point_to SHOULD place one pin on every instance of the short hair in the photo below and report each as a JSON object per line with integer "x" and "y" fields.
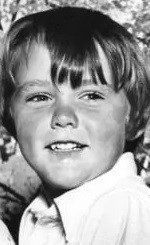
{"x": 70, "y": 34}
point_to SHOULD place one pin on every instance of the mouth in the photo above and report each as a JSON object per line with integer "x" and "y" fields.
{"x": 66, "y": 146}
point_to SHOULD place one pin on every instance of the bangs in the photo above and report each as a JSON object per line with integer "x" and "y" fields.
{"x": 65, "y": 66}
{"x": 63, "y": 71}
{"x": 70, "y": 64}
{"x": 122, "y": 65}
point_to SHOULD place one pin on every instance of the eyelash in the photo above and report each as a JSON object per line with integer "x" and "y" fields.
{"x": 39, "y": 97}
{"x": 98, "y": 96}
{"x": 42, "y": 97}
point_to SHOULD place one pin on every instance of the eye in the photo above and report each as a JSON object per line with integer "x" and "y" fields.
{"x": 92, "y": 95}
{"x": 39, "y": 97}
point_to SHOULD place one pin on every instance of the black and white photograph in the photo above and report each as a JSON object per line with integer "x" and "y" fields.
{"x": 74, "y": 122}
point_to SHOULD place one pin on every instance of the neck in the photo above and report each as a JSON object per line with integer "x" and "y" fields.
{"x": 51, "y": 192}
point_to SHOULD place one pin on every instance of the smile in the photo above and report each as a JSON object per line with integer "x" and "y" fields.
{"x": 66, "y": 146}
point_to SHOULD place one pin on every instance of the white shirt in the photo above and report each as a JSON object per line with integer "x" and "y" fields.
{"x": 113, "y": 209}
{"x": 5, "y": 237}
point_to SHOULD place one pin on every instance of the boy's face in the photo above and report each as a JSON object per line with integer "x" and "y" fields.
{"x": 68, "y": 136}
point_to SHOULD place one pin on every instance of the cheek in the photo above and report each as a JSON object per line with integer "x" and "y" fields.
{"x": 119, "y": 111}
{"x": 26, "y": 134}
{"x": 28, "y": 126}
{"x": 104, "y": 128}
{"x": 106, "y": 123}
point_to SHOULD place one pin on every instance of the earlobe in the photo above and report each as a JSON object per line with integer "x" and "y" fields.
{"x": 127, "y": 118}
{"x": 127, "y": 121}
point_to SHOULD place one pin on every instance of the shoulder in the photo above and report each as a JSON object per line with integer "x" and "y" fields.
{"x": 5, "y": 237}
{"x": 122, "y": 213}
{"x": 127, "y": 193}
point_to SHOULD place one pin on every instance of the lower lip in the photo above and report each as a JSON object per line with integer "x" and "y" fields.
{"x": 67, "y": 158}
{"x": 66, "y": 153}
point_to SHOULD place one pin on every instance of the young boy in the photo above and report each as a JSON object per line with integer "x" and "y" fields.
{"x": 73, "y": 90}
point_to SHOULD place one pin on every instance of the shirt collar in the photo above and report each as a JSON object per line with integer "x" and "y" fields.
{"x": 74, "y": 204}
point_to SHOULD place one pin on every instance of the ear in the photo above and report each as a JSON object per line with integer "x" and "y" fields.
{"x": 127, "y": 118}
{"x": 127, "y": 121}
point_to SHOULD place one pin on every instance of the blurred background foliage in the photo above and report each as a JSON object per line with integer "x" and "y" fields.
{"x": 18, "y": 183}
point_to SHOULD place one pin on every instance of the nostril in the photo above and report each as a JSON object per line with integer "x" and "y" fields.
{"x": 64, "y": 118}
{"x": 60, "y": 124}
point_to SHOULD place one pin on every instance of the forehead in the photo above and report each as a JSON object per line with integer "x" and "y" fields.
{"x": 37, "y": 66}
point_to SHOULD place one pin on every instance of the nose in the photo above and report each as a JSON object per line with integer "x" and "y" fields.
{"x": 64, "y": 116}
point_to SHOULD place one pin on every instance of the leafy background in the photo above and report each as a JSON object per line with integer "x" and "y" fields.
{"x": 18, "y": 183}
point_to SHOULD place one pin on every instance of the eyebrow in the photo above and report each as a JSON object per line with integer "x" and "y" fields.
{"x": 87, "y": 82}
{"x": 32, "y": 83}
{"x": 20, "y": 88}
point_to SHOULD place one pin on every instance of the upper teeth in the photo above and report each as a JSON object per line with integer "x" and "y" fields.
{"x": 64, "y": 146}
